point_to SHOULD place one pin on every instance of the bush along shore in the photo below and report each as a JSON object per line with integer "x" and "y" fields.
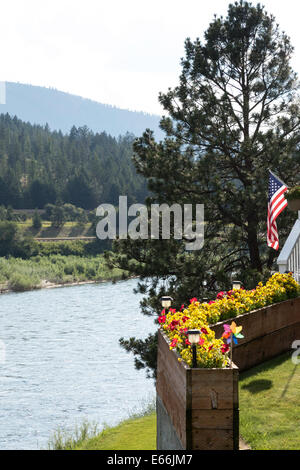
{"x": 26, "y": 264}
{"x": 18, "y": 275}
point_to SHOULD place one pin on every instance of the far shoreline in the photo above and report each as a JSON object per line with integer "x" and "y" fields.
{"x": 52, "y": 285}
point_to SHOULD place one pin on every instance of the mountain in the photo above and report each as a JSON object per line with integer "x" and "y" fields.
{"x": 61, "y": 111}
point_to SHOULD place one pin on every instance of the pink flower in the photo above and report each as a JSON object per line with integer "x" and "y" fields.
{"x": 162, "y": 319}
{"x": 211, "y": 302}
{"x": 181, "y": 308}
{"x": 221, "y": 295}
{"x": 194, "y": 299}
{"x": 201, "y": 341}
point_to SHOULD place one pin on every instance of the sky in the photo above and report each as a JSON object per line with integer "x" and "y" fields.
{"x": 117, "y": 52}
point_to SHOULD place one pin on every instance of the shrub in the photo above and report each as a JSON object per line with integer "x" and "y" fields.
{"x": 36, "y": 221}
{"x": 21, "y": 283}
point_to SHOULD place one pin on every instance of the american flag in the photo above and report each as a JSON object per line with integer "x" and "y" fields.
{"x": 276, "y": 204}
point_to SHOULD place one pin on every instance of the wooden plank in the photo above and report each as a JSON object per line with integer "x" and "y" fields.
{"x": 264, "y": 321}
{"x": 171, "y": 387}
{"x": 175, "y": 409}
{"x": 212, "y": 419}
{"x": 213, "y": 439}
{"x": 214, "y": 388}
{"x": 168, "y": 366}
{"x": 264, "y": 348}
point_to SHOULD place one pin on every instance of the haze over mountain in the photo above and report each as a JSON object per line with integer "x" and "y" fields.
{"x": 60, "y": 110}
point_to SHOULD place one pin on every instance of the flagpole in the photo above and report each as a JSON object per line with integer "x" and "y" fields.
{"x": 277, "y": 177}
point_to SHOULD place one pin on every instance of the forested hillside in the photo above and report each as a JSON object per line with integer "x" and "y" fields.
{"x": 82, "y": 168}
{"x": 60, "y": 110}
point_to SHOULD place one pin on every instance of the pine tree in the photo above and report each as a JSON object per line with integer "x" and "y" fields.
{"x": 36, "y": 221}
{"x": 233, "y": 115}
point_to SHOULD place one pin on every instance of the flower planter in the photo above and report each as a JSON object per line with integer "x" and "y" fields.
{"x": 269, "y": 331}
{"x": 294, "y": 204}
{"x": 196, "y": 408}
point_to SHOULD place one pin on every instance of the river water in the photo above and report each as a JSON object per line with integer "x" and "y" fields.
{"x": 61, "y": 362}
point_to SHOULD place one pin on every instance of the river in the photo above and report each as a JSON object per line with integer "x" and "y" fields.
{"x": 61, "y": 362}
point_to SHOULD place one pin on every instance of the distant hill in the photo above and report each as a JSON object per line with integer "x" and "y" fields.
{"x": 60, "y": 110}
{"x": 83, "y": 168}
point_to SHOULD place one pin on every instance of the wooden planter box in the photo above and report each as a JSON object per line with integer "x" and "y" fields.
{"x": 268, "y": 332}
{"x": 294, "y": 204}
{"x": 196, "y": 408}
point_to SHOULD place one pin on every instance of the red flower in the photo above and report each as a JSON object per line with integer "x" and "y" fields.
{"x": 225, "y": 348}
{"x": 172, "y": 310}
{"x": 181, "y": 308}
{"x": 201, "y": 341}
{"x": 194, "y": 299}
{"x": 162, "y": 319}
{"x": 163, "y": 312}
{"x": 183, "y": 331}
{"x": 174, "y": 343}
{"x": 187, "y": 342}
{"x": 184, "y": 319}
{"x": 210, "y": 347}
{"x": 204, "y": 331}
{"x": 173, "y": 324}
{"x": 211, "y": 302}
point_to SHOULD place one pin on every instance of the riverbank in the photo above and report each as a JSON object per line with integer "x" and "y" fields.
{"x": 270, "y": 389}
{"x": 39, "y": 272}
{"x": 137, "y": 432}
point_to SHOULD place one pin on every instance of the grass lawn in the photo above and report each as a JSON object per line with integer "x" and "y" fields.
{"x": 270, "y": 405}
{"x": 269, "y": 413}
{"x": 133, "y": 434}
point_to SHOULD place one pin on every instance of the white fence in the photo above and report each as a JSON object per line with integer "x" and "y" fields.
{"x": 289, "y": 257}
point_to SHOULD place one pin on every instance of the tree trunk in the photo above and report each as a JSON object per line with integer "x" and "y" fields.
{"x": 255, "y": 260}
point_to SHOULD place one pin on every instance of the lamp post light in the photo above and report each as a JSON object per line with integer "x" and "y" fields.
{"x": 194, "y": 337}
{"x": 166, "y": 302}
{"x": 236, "y": 285}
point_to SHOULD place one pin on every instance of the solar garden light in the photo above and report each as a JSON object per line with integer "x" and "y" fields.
{"x": 166, "y": 302}
{"x": 236, "y": 285}
{"x": 194, "y": 337}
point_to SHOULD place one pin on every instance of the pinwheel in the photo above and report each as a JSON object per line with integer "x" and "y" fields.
{"x": 232, "y": 332}
{"x": 231, "y": 335}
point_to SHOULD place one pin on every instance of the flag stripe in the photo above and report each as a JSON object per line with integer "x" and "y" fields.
{"x": 276, "y": 204}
